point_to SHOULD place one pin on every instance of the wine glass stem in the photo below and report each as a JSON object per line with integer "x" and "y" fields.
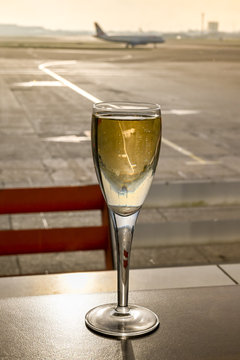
{"x": 124, "y": 228}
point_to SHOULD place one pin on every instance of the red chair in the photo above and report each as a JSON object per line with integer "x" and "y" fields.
{"x": 32, "y": 200}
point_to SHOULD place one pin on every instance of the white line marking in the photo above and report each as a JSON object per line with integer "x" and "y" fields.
{"x": 126, "y": 57}
{"x": 183, "y": 151}
{"x": 38, "y": 83}
{"x": 94, "y": 99}
{"x": 197, "y": 159}
{"x": 75, "y": 88}
{"x": 206, "y": 162}
{"x": 180, "y": 112}
{"x": 182, "y": 174}
{"x": 68, "y": 138}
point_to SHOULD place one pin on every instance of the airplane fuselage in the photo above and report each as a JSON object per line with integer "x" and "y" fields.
{"x": 132, "y": 40}
{"x": 128, "y": 39}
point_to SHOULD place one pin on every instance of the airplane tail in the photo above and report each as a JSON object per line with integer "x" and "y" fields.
{"x": 99, "y": 30}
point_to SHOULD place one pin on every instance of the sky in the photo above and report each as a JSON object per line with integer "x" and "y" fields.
{"x": 158, "y": 15}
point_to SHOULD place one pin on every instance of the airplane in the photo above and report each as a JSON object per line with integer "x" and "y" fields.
{"x": 129, "y": 40}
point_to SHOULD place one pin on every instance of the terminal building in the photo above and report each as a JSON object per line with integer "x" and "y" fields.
{"x": 213, "y": 26}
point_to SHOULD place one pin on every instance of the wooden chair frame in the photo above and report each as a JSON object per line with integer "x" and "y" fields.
{"x": 51, "y": 199}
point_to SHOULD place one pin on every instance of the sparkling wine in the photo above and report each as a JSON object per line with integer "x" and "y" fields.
{"x": 125, "y": 152}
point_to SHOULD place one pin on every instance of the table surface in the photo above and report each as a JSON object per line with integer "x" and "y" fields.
{"x": 105, "y": 281}
{"x": 195, "y": 323}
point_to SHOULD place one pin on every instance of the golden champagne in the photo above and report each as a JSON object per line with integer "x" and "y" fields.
{"x": 125, "y": 151}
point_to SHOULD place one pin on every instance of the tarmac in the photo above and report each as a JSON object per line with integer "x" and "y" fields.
{"x": 192, "y": 214}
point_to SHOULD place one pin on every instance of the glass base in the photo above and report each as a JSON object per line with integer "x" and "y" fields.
{"x": 105, "y": 319}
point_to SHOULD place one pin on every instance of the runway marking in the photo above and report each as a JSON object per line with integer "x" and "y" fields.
{"x": 183, "y": 151}
{"x": 68, "y": 138}
{"x": 44, "y": 67}
{"x": 72, "y": 86}
{"x": 206, "y": 162}
{"x": 180, "y": 112}
{"x": 38, "y": 83}
{"x": 182, "y": 174}
{"x": 198, "y": 160}
{"x": 125, "y": 57}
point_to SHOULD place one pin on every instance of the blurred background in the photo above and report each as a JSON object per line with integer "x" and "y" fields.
{"x": 53, "y": 67}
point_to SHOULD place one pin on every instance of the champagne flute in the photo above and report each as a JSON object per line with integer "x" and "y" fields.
{"x": 126, "y": 138}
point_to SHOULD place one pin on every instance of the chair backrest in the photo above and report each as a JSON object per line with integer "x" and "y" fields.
{"x": 52, "y": 199}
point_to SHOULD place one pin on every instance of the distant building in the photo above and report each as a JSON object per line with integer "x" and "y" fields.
{"x": 213, "y": 26}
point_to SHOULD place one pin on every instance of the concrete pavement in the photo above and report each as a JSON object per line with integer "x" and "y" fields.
{"x": 192, "y": 213}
